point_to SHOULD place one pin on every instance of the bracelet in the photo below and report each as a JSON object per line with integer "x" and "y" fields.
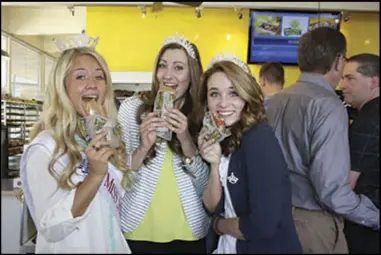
{"x": 215, "y": 228}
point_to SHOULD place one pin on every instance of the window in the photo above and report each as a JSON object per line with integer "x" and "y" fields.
{"x": 25, "y": 71}
{"x": 4, "y": 66}
{"x": 49, "y": 65}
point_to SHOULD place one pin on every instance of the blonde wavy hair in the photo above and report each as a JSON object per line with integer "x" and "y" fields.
{"x": 59, "y": 118}
{"x": 247, "y": 89}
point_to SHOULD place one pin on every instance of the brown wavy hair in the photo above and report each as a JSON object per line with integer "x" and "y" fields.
{"x": 248, "y": 89}
{"x": 191, "y": 101}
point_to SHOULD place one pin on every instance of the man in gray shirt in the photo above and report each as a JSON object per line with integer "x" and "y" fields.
{"x": 311, "y": 124}
{"x": 271, "y": 79}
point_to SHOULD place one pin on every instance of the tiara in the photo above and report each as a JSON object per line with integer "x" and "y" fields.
{"x": 77, "y": 41}
{"x": 179, "y": 39}
{"x": 227, "y": 56}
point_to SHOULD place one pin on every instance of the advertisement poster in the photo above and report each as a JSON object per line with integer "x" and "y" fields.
{"x": 294, "y": 25}
{"x": 274, "y": 35}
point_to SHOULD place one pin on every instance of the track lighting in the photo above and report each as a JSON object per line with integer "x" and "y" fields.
{"x": 198, "y": 12}
{"x": 345, "y": 16}
{"x": 239, "y": 12}
{"x": 143, "y": 11}
{"x": 72, "y": 10}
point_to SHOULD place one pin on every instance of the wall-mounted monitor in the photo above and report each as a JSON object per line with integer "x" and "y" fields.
{"x": 274, "y": 35}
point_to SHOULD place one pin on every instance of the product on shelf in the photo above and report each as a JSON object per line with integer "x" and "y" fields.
{"x": 18, "y": 115}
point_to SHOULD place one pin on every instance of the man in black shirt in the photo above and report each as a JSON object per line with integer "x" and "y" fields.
{"x": 361, "y": 90}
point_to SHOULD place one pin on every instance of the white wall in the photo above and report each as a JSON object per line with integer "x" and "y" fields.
{"x": 44, "y": 42}
{"x": 132, "y": 81}
{"x": 4, "y": 18}
{"x": 43, "y": 20}
{"x": 35, "y": 40}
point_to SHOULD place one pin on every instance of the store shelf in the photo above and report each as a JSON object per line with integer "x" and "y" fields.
{"x": 18, "y": 115}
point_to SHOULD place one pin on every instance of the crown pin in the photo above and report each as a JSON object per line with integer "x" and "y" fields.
{"x": 77, "y": 41}
{"x": 179, "y": 39}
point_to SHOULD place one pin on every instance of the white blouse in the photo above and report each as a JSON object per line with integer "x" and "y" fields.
{"x": 226, "y": 243}
{"x": 96, "y": 231}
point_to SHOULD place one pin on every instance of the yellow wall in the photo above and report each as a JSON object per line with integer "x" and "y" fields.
{"x": 362, "y": 33}
{"x": 130, "y": 42}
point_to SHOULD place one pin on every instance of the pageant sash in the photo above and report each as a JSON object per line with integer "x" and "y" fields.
{"x": 110, "y": 188}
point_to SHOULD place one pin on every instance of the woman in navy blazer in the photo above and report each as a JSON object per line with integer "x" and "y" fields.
{"x": 248, "y": 193}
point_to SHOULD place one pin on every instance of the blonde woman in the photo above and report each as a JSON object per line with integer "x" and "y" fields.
{"x": 163, "y": 212}
{"x": 72, "y": 188}
{"x": 248, "y": 191}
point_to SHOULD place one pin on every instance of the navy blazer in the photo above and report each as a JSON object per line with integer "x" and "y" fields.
{"x": 261, "y": 196}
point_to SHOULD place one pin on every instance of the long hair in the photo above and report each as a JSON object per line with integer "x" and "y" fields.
{"x": 191, "y": 101}
{"x": 59, "y": 118}
{"x": 247, "y": 89}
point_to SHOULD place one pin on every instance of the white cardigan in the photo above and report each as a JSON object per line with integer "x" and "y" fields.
{"x": 136, "y": 202}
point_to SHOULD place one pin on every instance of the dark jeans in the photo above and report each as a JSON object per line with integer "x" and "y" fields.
{"x": 361, "y": 240}
{"x": 177, "y": 246}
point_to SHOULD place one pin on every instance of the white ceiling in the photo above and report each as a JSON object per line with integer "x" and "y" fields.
{"x": 345, "y": 6}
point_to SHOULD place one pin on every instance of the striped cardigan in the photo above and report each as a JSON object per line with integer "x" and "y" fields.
{"x": 136, "y": 201}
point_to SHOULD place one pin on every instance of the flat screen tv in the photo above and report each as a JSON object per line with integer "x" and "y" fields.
{"x": 274, "y": 35}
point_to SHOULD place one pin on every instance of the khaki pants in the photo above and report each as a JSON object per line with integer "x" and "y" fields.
{"x": 320, "y": 231}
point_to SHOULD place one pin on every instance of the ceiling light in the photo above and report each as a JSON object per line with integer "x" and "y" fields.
{"x": 72, "y": 10}
{"x": 198, "y": 12}
{"x": 345, "y": 16}
{"x": 143, "y": 11}
{"x": 239, "y": 12}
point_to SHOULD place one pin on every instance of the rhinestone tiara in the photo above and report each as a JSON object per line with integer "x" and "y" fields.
{"x": 77, "y": 41}
{"x": 179, "y": 39}
{"x": 227, "y": 56}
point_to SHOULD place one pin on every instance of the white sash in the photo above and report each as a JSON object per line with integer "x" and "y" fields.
{"x": 110, "y": 188}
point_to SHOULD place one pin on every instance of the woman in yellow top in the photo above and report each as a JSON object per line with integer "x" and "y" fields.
{"x": 163, "y": 212}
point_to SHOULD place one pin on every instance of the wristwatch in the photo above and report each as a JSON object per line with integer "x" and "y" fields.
{"x": 188, "y": 161}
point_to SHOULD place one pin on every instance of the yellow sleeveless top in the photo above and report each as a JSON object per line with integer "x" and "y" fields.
{"x": 165, "y": 219}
